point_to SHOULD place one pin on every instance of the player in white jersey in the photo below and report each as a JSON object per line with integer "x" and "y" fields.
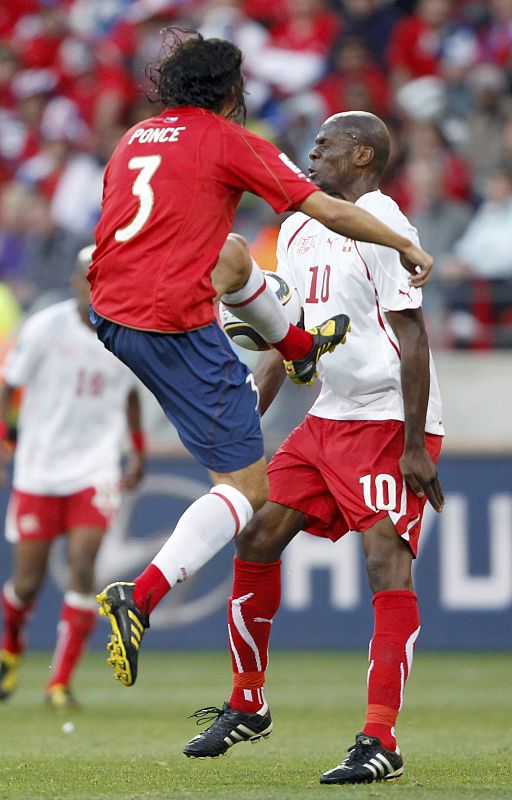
{"x": 78, "y": 401}
{"x": 363, "y": 459}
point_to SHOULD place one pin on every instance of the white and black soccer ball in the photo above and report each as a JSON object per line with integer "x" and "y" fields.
{"x": 242, "y": 334}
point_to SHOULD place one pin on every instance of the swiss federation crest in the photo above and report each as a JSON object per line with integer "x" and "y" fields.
{"x": 306, "y": 243}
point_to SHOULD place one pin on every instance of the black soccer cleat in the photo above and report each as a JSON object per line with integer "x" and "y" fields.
{"x": 367, "y": 761}
{"x": 228, "y": 728}
{"x": 128, "y": 624}
{"x": 326, "y": 337}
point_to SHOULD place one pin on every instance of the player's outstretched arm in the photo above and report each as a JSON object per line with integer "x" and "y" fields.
{"x": 416, "y": 464}
{"x": 349, "y": 220}
{"x": 269, "y": 376}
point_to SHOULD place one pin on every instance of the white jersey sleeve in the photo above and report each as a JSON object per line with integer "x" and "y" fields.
{"x": 391, "y": 279}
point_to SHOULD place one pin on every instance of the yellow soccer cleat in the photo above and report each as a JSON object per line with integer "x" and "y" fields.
{"x": 128, "y": 625}
{"x": 9, "y": 673}
{"x": 59, "y": 697}
{"x": 326, "y": 337}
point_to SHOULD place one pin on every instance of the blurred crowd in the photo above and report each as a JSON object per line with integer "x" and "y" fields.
{"x": 438, "y": 71}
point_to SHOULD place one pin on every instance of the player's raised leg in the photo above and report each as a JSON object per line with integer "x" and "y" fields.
{"x": 78, "y": 614}
{"x": 242, "y": 286}
{"x": 204, "y": 529}
{"x": 251, "y": 610}
{"x": 210, "y": 397}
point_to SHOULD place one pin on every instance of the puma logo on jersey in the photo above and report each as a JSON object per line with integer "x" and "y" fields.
{"x": 406, "y": 294}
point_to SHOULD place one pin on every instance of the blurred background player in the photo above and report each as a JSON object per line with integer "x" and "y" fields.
{"x": 171, "y": 190}
{"x": 363, "y": 460}
{"x": 77, "y": 402}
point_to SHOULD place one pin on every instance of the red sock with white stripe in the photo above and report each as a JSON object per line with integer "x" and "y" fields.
{"x": 77, "y": 620}
{"x": 16, "y": 615}
{"x": 251, "y": 609}
{"x": 204, "y": 529}
{"x": 256, "y": 304}
{"x": 397, "y": 625}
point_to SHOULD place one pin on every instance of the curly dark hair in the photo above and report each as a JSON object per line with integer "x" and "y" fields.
{"x": 195, "y": 71}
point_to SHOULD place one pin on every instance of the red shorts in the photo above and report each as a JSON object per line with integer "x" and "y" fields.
{"x": 345, "y": 476}
{"x": 34, "y": 516}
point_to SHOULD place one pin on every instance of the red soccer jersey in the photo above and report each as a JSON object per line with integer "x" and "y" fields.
{"x": 171, "y": 189}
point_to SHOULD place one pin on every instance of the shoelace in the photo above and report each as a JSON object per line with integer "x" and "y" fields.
{"x": 207, "y": 714}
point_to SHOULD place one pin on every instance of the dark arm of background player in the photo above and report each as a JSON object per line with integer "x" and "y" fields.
{"x": 6, "y": 395}
{"x": 416, "y": 464}
{"x": 269, "y": 375}
{"x": 135, "y": 466}
{"x": 349, "y": 220}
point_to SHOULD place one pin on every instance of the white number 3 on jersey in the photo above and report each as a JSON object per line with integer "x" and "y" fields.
{"x": 141, "y": 188}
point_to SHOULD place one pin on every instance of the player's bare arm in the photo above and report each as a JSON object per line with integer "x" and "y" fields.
{"x": 349, "y": 220}
{"x": 6, "y": 393}
{"x": 136, "y": 464}
{"x": 416, "y": 465}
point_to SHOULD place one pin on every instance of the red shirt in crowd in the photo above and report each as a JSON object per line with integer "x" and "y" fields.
{"x": 171, "y": 189}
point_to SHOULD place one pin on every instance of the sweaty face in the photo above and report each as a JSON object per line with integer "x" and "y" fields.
{"x": 332, "y": 158}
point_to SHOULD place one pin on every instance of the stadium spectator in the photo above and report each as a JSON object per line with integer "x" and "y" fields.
{"x": 354, "y": 71}
{"x": 440, "y": 222}
{"x": 478, "y": 274}
{"x": 200, "y": 384}
{"x": 76, "y": 405}
{"x": 485, "y": 248}
{"x": 496, "y": 40}
{"x": 491, "y": 110}
{"x": 371, "y": 20}
{"x": 363, "y": 460}
{"x": 426, "y": 141}
{"x": 431, "y": 42}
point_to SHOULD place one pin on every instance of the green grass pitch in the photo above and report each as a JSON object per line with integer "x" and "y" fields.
{"x": 455, "y": 730}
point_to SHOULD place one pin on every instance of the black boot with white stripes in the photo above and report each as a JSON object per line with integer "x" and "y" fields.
{"x": 229, "y": 727}
{"x": 367, "y": 761}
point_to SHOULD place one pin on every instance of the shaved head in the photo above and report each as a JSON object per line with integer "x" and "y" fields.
{"x": 367, "y": 129}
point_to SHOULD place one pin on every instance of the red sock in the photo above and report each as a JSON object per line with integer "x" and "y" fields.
{"x": 296, "y": 344}
{"x": 150, "y": 587}
{"x": 251, "y": 609}
{"x": 397, "y": 625}
{"x": 16, "y": 615}
{"x": 73, "y": 631}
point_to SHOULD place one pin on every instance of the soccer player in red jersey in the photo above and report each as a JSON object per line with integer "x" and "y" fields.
{"x": 363, "y": 459}
{"x": 78, "y": 401}
{"x": 170, "y": 193}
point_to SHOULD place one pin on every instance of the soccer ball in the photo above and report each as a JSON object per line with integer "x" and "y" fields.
{"x": 242, "y": 334}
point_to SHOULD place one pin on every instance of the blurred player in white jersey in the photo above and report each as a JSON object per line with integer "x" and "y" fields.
{"x": 78, "y": 400}
{"x": 363, "y": 459}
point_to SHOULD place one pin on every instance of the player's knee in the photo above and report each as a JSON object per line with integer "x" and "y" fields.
{"x": 81, "y": 576}
{"x": 255, "y": 543}
{"x": 26, "y": 587}
{"x": 235, "y": 260}
{"x": 387, "y": 575}
{"x": 257, "y": 494}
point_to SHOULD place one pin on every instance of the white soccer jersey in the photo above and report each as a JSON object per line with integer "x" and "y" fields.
{"x": 72, "y": 418}
{"x": 332, "y": 275}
